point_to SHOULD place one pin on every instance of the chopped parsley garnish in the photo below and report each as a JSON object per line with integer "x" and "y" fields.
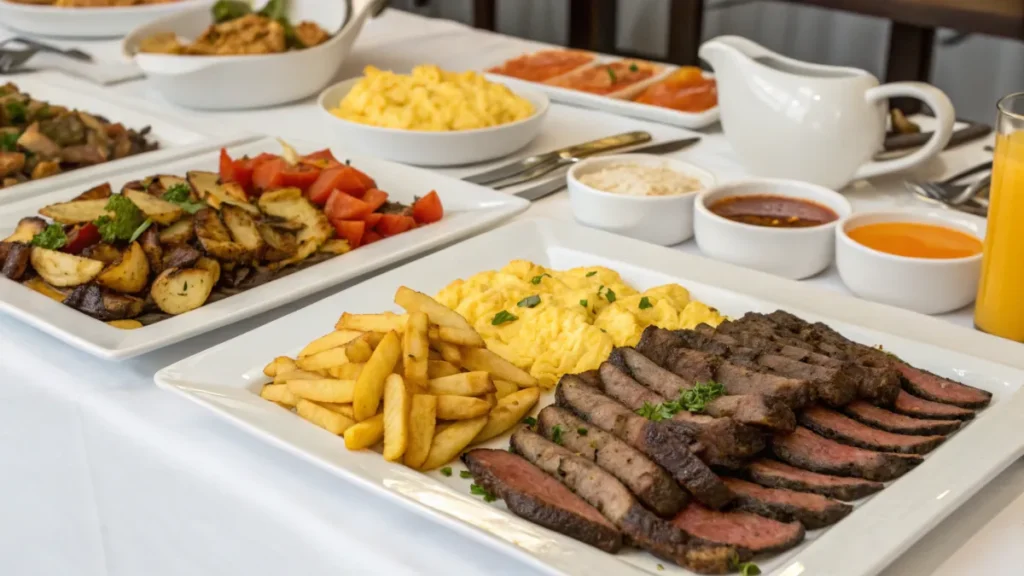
{"x": 583, "y": 303}
{"x": 446, "y": 471}
{"x": 122, "y": 225}
{"x": 661, "y": 567}
{"x": 749, "y": 569}
{"x": 611, "y": 74}
{"x": 536, "y": 279}
{"x": 17, "y": 113}
{"x": 693, "y": 400}
{"x": 9, "y": 141}
{"x": 51, "y": 238}
{"x": 479, "y": 491}
{"x": 556, "y": 434}
{"x": 582, "y": 431}
{"x": 225, "y": 10}
{"x": 609, "y": 294}
{"x": 530, "y": 421}
{"x": 503, "y": 317}
{"x": 645, "y": 303}
{"x": 181, "y": 195}
{"x": 591, "y": 273}
{"x": 656, "y": 412}
{"x": 465, "y": 474}
{"x": 529, "y": 301}
{"x": 633, "y": 67}
{"x": 140, "y": 230}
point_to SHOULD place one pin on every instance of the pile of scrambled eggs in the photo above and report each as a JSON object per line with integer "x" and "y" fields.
{"x": 431, "y": 99}
{"x": 566, "y": 322}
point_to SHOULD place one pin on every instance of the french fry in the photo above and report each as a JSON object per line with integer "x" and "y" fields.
{"x": 323, "y": 360}
{"x": 365, "y": 434}
{"x": 278, "y": 364}
{"x": 439, "y": 368}
{"x": 396, "y": 418}
{"x": 449, "y": 442}
{"x": 278, "y": 393}
{"x": 496, "y": 366}
{"x": 332, "y": 340}
{"x": 325, "y": 390}
{"x": 327, "y": 419}
{"x": 358, "y": 350}
{"x": 460, "y": 337}
{"x": 422, "y": 421}
{"x": 415, "y": 351}
{"x": 384, "y": 322}
{"x": 370, "y": 384}
{"x": 346, "y": 371}
{"x": 491, "y": 398}
{"x": 295, "y": 374}
{"x": 509, "y": 411}
{"x": 434, "y": 355}
{"x": 374, "y": 338}
{"x": 463, "y": 384}
{"x": 503, "y": 387}
{"x": 343, "y": 409}
{"x": 438, "y": 313}
{"x": 449, "y": 352}
{"x": 460, "y": 407}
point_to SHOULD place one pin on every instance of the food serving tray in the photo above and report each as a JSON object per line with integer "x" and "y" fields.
{"x": 469, "y": 209}
{"x": 177, "y": 136}
{"x": 227, "y": 378}
{"x": 99, "y": 22}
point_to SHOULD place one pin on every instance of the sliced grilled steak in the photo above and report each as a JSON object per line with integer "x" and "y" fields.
{"x": 651, "y": 484}
{"x": 748, "y": 532}
{"x": 530, "y": 493}
{"x": 898, "y": 423}
{"x": 911, "y": 405}
{"x": 726, "y": 442}
{"x": 667, "y": 443}
{"x": 812, "y": 510}
{"x": 775, "y": 474}
{"x": 745, "y": 409}
{"x": 591, "y": 377}
{"x": 832, "y": 424}
{"x": 602, "y": 491}
{"x": 807, "y": 450}
{"x": 938, "y": 389}
{"x": 739, "y": 380}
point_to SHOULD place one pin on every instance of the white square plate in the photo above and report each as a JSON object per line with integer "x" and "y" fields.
{"x": 469, "y": 209}
{"x": 228, "y": 377}
{"x": 177, "y": 136}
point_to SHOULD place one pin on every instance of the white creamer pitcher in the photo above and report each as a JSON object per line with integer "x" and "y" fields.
{"x": 821, "y": 124}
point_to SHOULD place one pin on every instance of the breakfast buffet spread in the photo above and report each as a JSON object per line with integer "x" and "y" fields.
{"x": 608, "y": 397}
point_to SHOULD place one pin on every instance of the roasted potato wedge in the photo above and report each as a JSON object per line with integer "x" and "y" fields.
{"x": 27, "y": 229}
{"x": 215, "y": 239}
{"x": 509, "y": 411}
{"x": 180, "y": 232}
{"x": 209, "y": 189}
{"x": 280, "y": 244}
{"x": 449, "y": 442}
{"x": 290, "y": 204}
{"x": 61, "y": 269}
{"x": 128, "y": 275}
{"x": 101, "y": 191}
{"x": 103, "y": 304}
{"x": 336, "y": 246}
{"x": 106, "y": 253}
{"x": 76, "y": 212}
{"x": 210, "y": 265}
{"x": 156, "y": 209}
{"x": 176, "y": 291}
{"x": 45, "y": 289}
{"x": 242, "y": 228}
{"x": 150, "y": 242}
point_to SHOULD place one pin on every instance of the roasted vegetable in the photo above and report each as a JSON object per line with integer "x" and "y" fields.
{"x": 157, "y": 210}
{"x": 209, "y": 189}
{"x": 45, "y": 289}
{"x": 181, "y": 256}
{"x": 129, "y": 274}
{"x": 100, "y": 192}
{"x": 26, "y": 229}
{"x": 290, "y": 204}
{"x": 76, "y": 211}
{"x": 178, "y": 233}
{"x": 14, "y": 259}
{"x": 150, "y": 242}
{"x": 60, "y": 269}
{"x": 215, "y": 239}
{"x": 102, "y": 304}
{"x": 243, "y": 228}
{"x": 176, "y": 291}
{"x": 210, "y": 265}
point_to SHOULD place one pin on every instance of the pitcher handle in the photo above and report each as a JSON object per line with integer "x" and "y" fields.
{"x": 945, "y": 119}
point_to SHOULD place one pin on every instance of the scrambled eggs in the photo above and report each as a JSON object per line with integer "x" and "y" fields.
{"x": 566, "y": 321}
{"x": 431, "y": 99}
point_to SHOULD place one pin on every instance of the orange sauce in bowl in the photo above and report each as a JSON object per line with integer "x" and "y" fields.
{"x": 916, "y": 240}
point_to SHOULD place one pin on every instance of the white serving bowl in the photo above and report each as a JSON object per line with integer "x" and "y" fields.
{"x": 248, "y": 81}
{"x": 662, "y": 220}
{"x": 926, "y": 285}
{"x": 793, "y": 253}
{"x": 430, "y": 148}
{"x": 108, "y": 22}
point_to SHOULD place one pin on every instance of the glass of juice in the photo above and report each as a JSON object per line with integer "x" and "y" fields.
{"x": 999, "y": 309}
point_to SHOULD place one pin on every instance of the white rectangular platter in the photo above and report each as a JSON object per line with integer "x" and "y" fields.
{"x": 227, "y": 378}
{"x": 177, "y": 136}
{"x": 469, "y": 209}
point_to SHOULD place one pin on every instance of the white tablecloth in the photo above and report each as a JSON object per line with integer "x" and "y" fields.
{"x": 105, "y": 474}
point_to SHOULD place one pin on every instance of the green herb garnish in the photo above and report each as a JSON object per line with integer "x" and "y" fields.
{"x": 633, "y": 67}
{"x": 583, "y": 303}
{"x": 529, "y": 421}
{"x": 536, "y": 279}
{"x": 181, "y": 195}
{"x": 556, "y": 434}
{"x": 17, "y": 113}
{"x": 465, "y": 474}
{"x": 645, "y": 303}
{"x": 591, "y": 273}
{"x": 661, "y": 567}
{"x": 225, "y": 10}
{"x": 656, "y": 412}
{"x": 749, "y": 569}
{"x": 9, "y": 141}
{"x": 609, "y": 295}
{"x": 51, "y": 238}
{"x": 695, "y": 399}
{"x": 479, "y": 491}
{"x": 503, "y": 317}
{"x": 582, "y": 431}
{"x": 140, "y": 230}
{"x": 446, "y": 471}
{"x": 611, "y": 74}
{"x": 122, "y": 225}
{"x": 529, "y": 301}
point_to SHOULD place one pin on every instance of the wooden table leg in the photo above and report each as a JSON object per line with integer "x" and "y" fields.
{"x": 685, "y": 25}
{"x": 910, "y": 58}
{"x": 484, "y": 14}
{"x": 592, "y": 25}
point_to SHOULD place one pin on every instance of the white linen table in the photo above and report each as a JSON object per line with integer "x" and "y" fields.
{"x": 104, "y": 474}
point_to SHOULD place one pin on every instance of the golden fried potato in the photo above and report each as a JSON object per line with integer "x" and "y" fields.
{"x": 449, "y": 442}
{"x": 504, "y": 387}
{"x": 343, "y": 409}
{"x": 413, "y": 301}
{"x": 370, "y": 384}
{"x": 422, "y": 421}
{"x": 415, "y": 352}
{"x": 284, "y": 374}
{"x": 365, "y": 434}
{"x": 460, "y": 337}
{"x": 358, "y": 350}
{"x": 460, "y": 407}
{"x": 496, "y": 366}
{"x": 491, "y": 398}
{"x": 396, "y": 418}
{"x": 440, "y": 368}
{"x": 323, "y": 360}
{"x": 346, "y": 371}
{"x": 327, "y": 419}
{"x": 463, "y": 384}
{"x": 125, "y": 324}
{"x": 332, "y": 340}
{"x": 277, "y": 364}
{"x": 129, "y": 274}
{"x": 61, "y": 269}
{"x": 386, "y": 322}
{"x": 449, "y": 352}
{"x": 509, "y": 411}
{"x": 176, "y": 291}
{"x": 279, "y": 393}
{"x": 326, "y": 390}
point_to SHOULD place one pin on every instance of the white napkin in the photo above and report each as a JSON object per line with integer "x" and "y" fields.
{"x": 99, "y": 72}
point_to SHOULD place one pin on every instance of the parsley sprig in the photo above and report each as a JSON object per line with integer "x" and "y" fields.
{"x": 126, "y": 220}
{"x": 693, "y": 400}
{"x": 478, "y": 490}
{"x": 503, "y": 317}
{"x": 529, "y": 301}
{"x": 52, "y": 238}
{"x": 181, "y": 196}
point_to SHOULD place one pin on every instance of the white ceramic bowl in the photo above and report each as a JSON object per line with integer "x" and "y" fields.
{"x": 793, "y": 253}
{"x": 926, "y": 285}
{"x": 427, "y": 148}
{"x": 247, "y": 81}
{"x": 107, "y": 22}
{"x": 663, "y": 220}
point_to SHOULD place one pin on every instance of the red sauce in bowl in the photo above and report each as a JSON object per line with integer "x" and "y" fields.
{"x": 773, "y": 211}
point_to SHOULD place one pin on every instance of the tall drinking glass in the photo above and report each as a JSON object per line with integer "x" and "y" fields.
{"x": 999, "y": 309}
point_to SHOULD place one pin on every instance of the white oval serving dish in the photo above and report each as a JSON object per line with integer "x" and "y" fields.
{"x": 107, "y": 22}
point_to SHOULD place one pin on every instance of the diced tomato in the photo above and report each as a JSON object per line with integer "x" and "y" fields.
{"x": 372, "y": 219}
{"x": 375, "y": 198}
{"x": 320, "y": 159}
{"x": 392, "y": 224}
{"x": 81, "y": 237}
{"x": 369, "y": 237}
{"x": 428, "y": 209}
{"x": 351, "y": 230}
{"x": 344, "y": 178}
{"x": 300, "y": 176}
{"x": 268, "y": 173}
{"x": 367, "y": 182}
{"x": 341, "y": 206}
{"x": 239, "y": 171}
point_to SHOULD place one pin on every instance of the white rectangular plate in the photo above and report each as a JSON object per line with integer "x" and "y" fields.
{"x": 227, "y": 379}
{"x": 177, "y": 136}
{"x": 469, "y": 209}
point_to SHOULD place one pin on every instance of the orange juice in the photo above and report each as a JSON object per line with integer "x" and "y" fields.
{"x": 1000, "y": 306}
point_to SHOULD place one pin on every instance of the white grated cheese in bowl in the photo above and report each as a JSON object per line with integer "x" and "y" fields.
{"x": 631, "y": 179}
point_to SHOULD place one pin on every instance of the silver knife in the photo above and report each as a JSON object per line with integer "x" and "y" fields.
{"x": 555, "y": 184}
{"x": 520, "y": 166}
